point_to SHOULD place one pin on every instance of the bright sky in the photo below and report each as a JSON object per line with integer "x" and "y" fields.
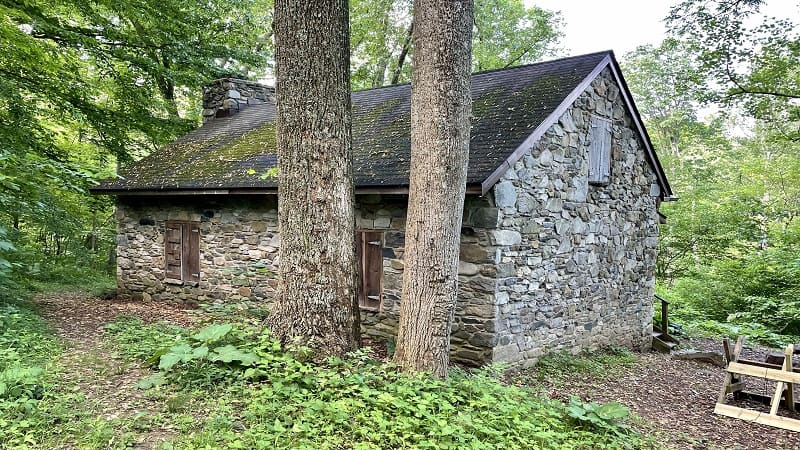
{"x": 623, "y": 25}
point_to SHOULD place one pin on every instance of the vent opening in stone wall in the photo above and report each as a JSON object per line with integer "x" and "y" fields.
{"x": 369, "y": 257}
{"x": 600, "y": 151}
{"x": 182, "y": 252}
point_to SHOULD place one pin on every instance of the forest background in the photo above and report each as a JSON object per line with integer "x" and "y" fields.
{"x": 87, "y": 87}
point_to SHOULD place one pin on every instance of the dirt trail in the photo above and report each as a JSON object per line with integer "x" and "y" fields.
{"x": 107, "y": 381}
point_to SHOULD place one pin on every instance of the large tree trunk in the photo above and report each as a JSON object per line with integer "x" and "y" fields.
{"x": 317, "y": 301}
{"x": 440, "y": 110}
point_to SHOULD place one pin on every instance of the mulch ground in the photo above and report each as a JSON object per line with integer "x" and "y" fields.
{"x": 675, "y": 398}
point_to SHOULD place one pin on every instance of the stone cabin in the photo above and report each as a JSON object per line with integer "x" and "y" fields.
{"x": 560, "y": 227}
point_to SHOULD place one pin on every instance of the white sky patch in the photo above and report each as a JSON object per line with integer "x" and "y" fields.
{"x": 623, "y": 25}
{"x": 619, "y": 25}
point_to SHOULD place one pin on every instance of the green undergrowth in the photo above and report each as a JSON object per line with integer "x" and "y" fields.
{"x": 254, "y": 394}
{"x": 692, "y": 326}
{"x": 135, "y": 341}
{"x": 27, "y": 352}
{"x": 86, "y": 272}
{"x": 601, "y": 364}
{"x": 690, "y": 318}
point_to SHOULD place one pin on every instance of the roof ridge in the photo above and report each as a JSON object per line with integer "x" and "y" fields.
{"x": 482, "y": 72}
{"x": 549, "y": 61}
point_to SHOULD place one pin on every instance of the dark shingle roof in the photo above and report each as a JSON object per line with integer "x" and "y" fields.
{"x": 238, "y": 151}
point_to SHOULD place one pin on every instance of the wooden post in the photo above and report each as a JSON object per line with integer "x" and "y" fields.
{"x": 737, "y": 385}
{"x": 731, "y": 357}
{"x": 787, "y": 365}
{"x": 664, "y": 316}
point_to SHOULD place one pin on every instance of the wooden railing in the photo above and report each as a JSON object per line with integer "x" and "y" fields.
{"x": 664, "y": 314}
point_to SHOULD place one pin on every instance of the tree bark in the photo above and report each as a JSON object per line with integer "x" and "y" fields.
{"x": 317, "y": 303}
{"x": 440, "y": 109}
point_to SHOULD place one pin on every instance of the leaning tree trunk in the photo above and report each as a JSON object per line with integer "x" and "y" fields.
{"x": 316, "y": 304}
{"x": 440, "y": 110}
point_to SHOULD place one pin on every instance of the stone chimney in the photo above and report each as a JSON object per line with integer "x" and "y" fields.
{"x": 227, "y": 96}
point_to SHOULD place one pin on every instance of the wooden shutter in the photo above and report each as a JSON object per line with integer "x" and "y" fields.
{"x": 182, "y": 251}
{"x": 600, "y": 151}
{"x": 173, "y": 250}
{"x": 369, "y": 254}
{"x": 191, "y": 252}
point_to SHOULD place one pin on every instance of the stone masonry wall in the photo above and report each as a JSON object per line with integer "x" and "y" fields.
{"x": 472, "y": 334}
{"x": 226, "y": 96}
{"x": 576, "y": 260}
{"x": 239, "y": 255}
{"x": 238, "y": 248}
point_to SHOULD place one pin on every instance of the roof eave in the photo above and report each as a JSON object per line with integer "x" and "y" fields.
{"x": 471, "y": 188}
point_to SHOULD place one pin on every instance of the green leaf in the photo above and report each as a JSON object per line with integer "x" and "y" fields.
{"x": 169, "y": 360}
{"x": 612, "y": 411}
{"x": 156, "y": 357}
{"x": 157, "y": 379}
{"x": 229, "y": 353}
{"x": 176, "y": 354}
{"x": 200, "y": 352}
{"x": 213, "y": 333}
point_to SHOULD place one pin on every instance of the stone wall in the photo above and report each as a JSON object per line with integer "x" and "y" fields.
{"x": 575, "y": 260}
{"x": 239, "y": 250}
{"x": 472, "y": 334}
{"x": 226, "y": 96}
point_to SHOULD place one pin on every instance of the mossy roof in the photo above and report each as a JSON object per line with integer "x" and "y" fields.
{"x": 237, "y": 152}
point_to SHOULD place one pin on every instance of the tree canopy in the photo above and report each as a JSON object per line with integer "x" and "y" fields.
{"x": 505, "y": 33}
{"x": 85, "y": 84}
{"x": 728, "y": 252}
{"x": 752, "y": 62}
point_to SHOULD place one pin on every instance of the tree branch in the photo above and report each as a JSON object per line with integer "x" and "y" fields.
{"x": 402, "y": 58}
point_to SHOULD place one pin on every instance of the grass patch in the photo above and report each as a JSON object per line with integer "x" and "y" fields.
{"x": 33, "y": 397}
{"x": 86, "y": 273}
{"x": 135, "y": 341}
{"x": 40, "y": 405}
{"x": 603, "y": 364}
{"x": 98, "y": 285}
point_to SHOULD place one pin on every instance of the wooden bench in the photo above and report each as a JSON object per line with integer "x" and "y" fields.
{"x": 784, "y": 376}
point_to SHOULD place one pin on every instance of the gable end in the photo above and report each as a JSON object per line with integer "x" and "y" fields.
{"x": 610, "y": 62}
